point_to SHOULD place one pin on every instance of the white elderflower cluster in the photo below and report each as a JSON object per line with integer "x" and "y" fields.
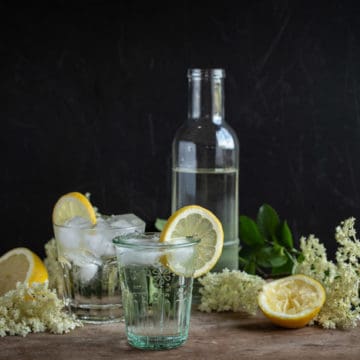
{"x": 340, "y": 280}
{"x": 53, "y": 267}
{"x": 33, "y": 308}
{"x": 230, "y": 290}
{"x": 315, "y": 263}
{"x": 349, "y": 250}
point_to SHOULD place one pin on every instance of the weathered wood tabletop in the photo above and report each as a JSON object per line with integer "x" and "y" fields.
{"x": 212, "y": 336}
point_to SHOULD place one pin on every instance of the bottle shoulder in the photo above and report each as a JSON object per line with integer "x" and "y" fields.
{"x": 207, "y": 133}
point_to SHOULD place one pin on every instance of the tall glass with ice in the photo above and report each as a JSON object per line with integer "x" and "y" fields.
{"x": 156, "y": 284}
{"x": 88, "y": 260}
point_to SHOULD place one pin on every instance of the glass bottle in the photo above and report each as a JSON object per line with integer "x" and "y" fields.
{"x": 205, "y": 159}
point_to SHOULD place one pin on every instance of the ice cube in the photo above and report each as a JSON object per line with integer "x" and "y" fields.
{"x": 101, "y": 223}
{"x": 131, "y": 257}
{"x": 181, "y": 260}
{"x": 119, "y": 223}
{"x": 82, "y": 257}
{"x": 86, "y": 262}
{"x": 99, "y": 242}
{"x": 68, "y": 238}
{"x": 146, "y": 251}
{"x": 128, "y": 222}
{"x": 108, "y": 249}
{"x": 93, "y": 242}
{"x": 78, "y": 222}
{"x": 87, "y": 272}
{"x": 183, "y": 254}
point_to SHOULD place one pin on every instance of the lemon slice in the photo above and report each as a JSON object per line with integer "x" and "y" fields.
{"x": 20, "y": 265}
{"x": 71, "y": 205}
{"x": 202, "y": 224}
{"x": 293, "y": 301}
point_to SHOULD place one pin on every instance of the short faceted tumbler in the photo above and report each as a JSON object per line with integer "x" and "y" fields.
{"x": 156, "y": 285}
{"x": 86, "y": 253}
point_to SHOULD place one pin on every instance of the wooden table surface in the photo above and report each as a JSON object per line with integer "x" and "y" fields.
{"x": 212, "y": 336}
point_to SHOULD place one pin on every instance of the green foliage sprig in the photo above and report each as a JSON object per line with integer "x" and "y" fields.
{"x": 267, "y": 246}
{"x": 159, "y": 224}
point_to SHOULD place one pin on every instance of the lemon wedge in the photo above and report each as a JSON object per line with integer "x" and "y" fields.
{"x": 20, "y": 265}
{"x": 71, "y": 205}
{"x": 201, "y": 224}
{"x": 293, "y": 301}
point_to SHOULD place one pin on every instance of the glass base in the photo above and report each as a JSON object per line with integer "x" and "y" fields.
{"x": 97, "y": 314}
{"x": 155, "y": 342}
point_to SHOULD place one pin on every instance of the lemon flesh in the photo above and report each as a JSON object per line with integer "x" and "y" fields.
{"x": 292, "y": 301}
{"x": 201, "y": 224}
{"x": 20, "y": 265}
{"x": 72, "y": 205}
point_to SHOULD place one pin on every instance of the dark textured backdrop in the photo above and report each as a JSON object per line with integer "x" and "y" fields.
{"x": 91, "y": 96}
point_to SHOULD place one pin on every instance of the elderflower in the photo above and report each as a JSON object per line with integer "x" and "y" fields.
{"x": 340, "y": 280}
{"x": 315, "y": 263}
{"x": 349, "y": 251}
{"x": 33, "y": 308}
{"x": 53, "y": 267}
{"x": 230, "y": 290}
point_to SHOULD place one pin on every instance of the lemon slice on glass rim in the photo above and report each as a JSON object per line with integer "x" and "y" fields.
{"x": 72, "y": 205}
{"x": 293, "y": 301}
{"x": 20, "y": 265}
{"x": 201, "y": 224}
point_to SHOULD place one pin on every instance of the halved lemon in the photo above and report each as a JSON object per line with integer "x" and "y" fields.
{"x": 293, "y": 301}
{"x": 202, "y": 224}
{"x": 71, "y": 205}
{"x": 20, "y": 265}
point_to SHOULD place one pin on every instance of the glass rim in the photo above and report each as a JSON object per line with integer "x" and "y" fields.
{"x": 215, "y": 73}
{"x": 93, "y": 227}
{"x": 127, "y": 241}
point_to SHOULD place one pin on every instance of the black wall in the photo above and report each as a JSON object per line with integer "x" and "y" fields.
{"x": 91, "y": 96}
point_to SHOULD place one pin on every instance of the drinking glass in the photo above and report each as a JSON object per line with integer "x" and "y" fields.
{"x": 88, "y": 261}
{"x": 156, "y": 285}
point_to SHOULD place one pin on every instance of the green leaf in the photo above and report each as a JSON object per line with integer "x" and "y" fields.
{"x": 250, "y": 267}
{"x": 285, "y": 235}
{"x": 249, "y": 232}
{"x": 278, "y": 261}
{"x": 247, "y": 252}
{"x": 269, "y": 257}
{"x": 160, "y": 223}
{"x": 268, "y": 221}
{"x": 284, "y": 270}
{"x": 263, "y": 256}
{"x": 287, "y": 267}
{"x": 243, "y": 262}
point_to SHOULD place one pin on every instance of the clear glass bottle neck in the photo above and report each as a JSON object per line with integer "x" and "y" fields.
{"x": 206, "y": 95}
